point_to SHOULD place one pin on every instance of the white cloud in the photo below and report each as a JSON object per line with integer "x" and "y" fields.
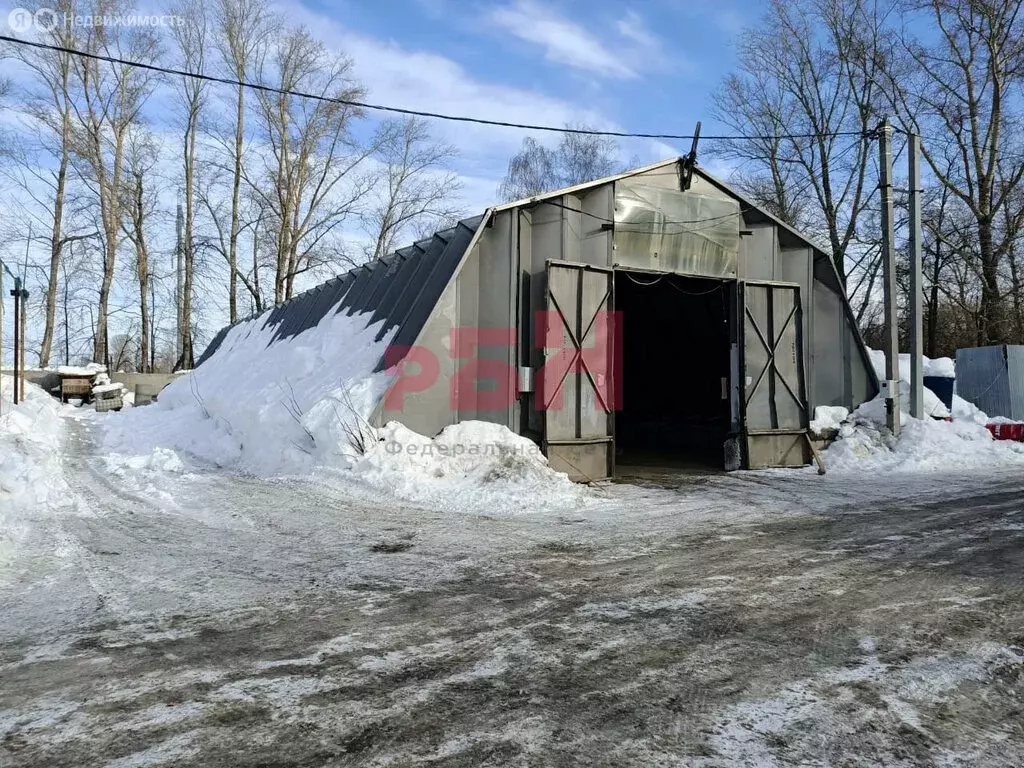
{"x": 563, "y": 41}
{"x": 633, "y": 27}
{"x": 427, "y": 81}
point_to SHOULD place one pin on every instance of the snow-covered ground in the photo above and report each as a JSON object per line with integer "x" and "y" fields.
{"x": 31, "y": 481}
{"x": 198, "y": 617}
{"x": 197, "y": 583}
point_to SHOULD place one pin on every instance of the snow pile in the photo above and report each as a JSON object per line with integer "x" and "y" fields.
{"x": 828, "y": 419}
{"x": 923, "y": 445}
{"x": 303, "y": 404}
{"x": 30, "y": 474}
{"x": 927, "y": 444}
{"x": 267, "y": 408}
{"x": 82, "y": 370}
{"x": 933, "y": 406}
{"x": 160, "y": 460}
{"x": 473, "y": 464}
{"x": 941, "y": 367}
{"x": 966, "y": 411}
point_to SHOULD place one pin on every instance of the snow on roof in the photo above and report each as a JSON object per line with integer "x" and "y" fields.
{"x": 81, "y": 370}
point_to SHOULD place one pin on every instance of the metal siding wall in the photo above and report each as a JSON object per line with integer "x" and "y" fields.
{"x": 572, "y": 227}
{"x": 1015, "y": 380}
{"x": 496, "y": 303}
{"x": 830, "y": 358}
{"x": 546, "y": 234}
{"x": 756, "y": 260}
{"x": 430, "y": 410}
{"x": 596, "y": 247}
{"x": 532, "y": 277}
{"x": 981, "y": 378}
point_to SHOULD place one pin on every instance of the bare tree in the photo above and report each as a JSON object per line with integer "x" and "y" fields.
{"x": 243, "y": 30}
{"x": 412, "y": 187}
{"x": 310, "y": 181}
{"x": 112, "y": 98}
{"x": 955, "y": 88}
{"x": 140, "y": 200}
{"x": 809, "y": 105}
{"x": 190, "y": 34}
{"x": 577, "y": 158}
{"x": 49, "y": 106}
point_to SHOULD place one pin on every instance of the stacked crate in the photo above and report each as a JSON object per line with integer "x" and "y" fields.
{"x": 109, "y": 397}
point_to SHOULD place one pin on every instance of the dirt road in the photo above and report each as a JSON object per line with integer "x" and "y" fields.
{"x": 203, "y": 619}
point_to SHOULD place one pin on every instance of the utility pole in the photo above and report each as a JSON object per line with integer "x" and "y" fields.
{"x": 152, "y": 326}
{"x": 916, "y": 287}
{"x": 24, "y": 327}
{"x": 179, "y": 253}
{"x": 891, "y": 385}
{"x": 16, "y": 293}
{"x": 2, "y": 268}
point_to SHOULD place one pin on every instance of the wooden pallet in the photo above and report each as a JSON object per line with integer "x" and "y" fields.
{"x": 75, "y": 386}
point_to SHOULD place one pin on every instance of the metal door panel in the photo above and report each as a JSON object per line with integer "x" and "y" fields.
{"x": 575, "y": 389}
{"x": 775, "y": 411}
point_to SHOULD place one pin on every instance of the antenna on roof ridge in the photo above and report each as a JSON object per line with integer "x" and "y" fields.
{"x": 690, "y": 161}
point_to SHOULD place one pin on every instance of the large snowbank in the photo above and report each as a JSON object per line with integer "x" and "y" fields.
{"x": 30, "y": 474}
{"x": 929, "y": 444}
{"x": 269, "y": 409}
{"x": 302, "y": 405}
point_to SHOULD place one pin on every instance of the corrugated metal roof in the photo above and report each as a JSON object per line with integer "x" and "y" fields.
{"x": 399, "y": 289}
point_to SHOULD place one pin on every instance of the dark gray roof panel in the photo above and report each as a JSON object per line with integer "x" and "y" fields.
{"x": 413, "y": 285}
{"x": 400, "y": 290}
{"x": 440, "y": 272}
{"x": 362, "y": 279}
{"x": 214, "y": 344}
{"x": 365, "y": 298}
{"x": 298, "y": 310}
{"x": 395, "y": 286}
{"x": 395, "y": 262}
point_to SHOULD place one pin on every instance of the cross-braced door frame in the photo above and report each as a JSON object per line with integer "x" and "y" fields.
{"x": 774, "y": 407}
{"x": 576, "y": 399}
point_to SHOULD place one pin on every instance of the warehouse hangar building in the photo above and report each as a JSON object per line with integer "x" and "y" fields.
{"x": 654, "y": 317}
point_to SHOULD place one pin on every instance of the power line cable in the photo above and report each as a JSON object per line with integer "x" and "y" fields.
{"x": 402, "y": 110}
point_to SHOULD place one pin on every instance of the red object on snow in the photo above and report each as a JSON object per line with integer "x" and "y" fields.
{"x": 1007, "y": 431}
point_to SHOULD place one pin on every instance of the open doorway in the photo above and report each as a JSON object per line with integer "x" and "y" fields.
{"x": 675, "y": 396}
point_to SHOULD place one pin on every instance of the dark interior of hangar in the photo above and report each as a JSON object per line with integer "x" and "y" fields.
{"x": 675, "y": 408}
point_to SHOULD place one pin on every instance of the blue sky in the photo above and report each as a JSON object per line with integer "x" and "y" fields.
{"x": 645, "y": 66}
{"x": 649, "y": 66}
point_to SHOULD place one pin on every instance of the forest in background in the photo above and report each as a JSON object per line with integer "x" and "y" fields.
{"x": 239, "y": 197}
